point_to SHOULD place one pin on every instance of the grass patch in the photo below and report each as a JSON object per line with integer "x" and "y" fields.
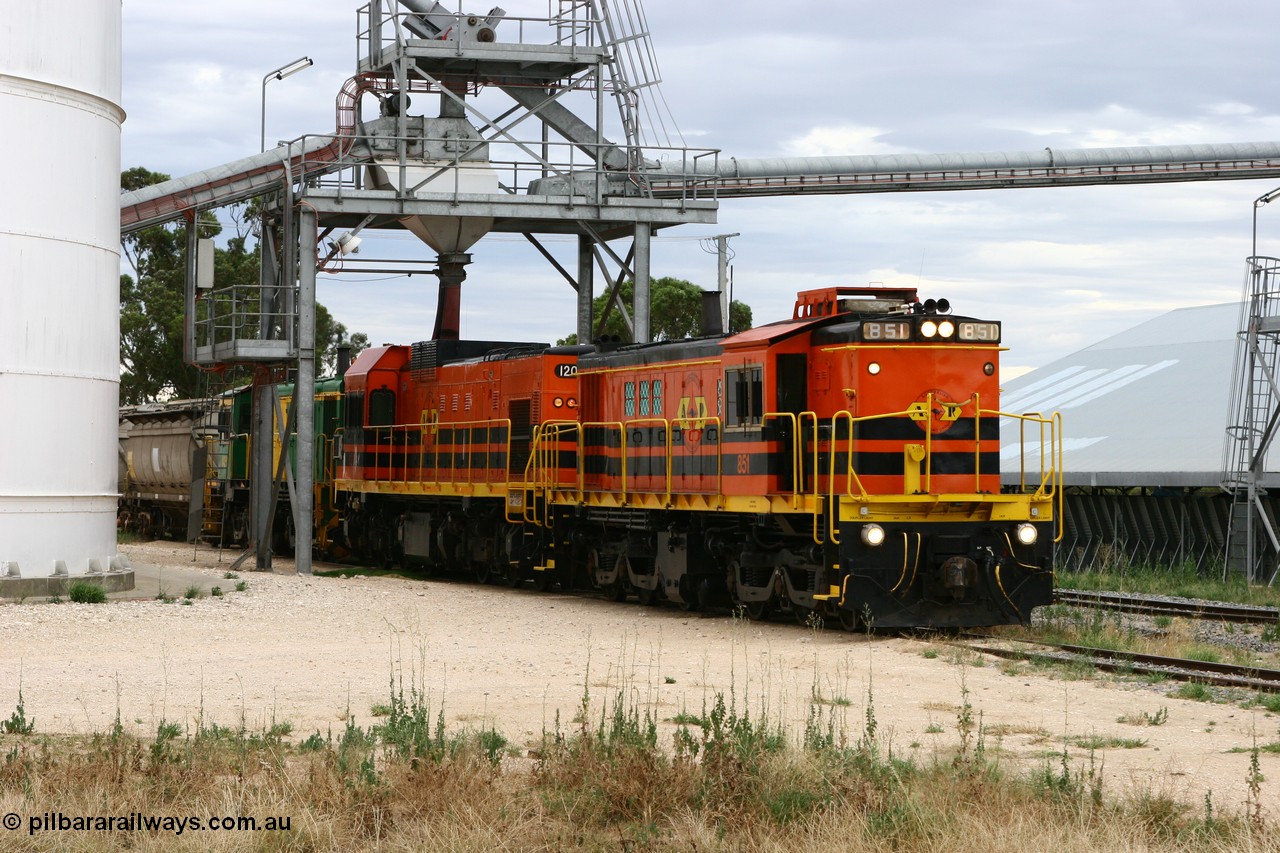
{"x": 1007, "y": 729}
{"x": 1273, "y": 747}
{"x": 1269, "y": 701}
{"x": 1143, "y": 718}
{"x": 1194, "y": 690}
{"x": 84, "y": 592}
{"x": 730, "y": 778}
{"x": 684, "y": 718}
{"x": 1207, "y": 654}
{"x": 1117, "y": 632}
{"x": 1180, "y": 580}
{"x": 1104, "y": 742}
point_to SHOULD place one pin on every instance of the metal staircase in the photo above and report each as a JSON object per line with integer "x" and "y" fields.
{"x": 213, "y": 524}
{"x": 1254, "y": 420}
{"x": 633, "y": 65}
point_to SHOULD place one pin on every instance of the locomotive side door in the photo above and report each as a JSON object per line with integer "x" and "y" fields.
{"x": 791, "y": 377}
{"x": 520, "y": 413}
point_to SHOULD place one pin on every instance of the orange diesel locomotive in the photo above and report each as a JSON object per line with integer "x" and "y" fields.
{"x": 843, "y": 464}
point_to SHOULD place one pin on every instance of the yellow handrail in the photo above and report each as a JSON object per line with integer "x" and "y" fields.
{"x": 795, "y": 451}
{"x": 622, "y": 443}
{"x": 1050, "y": 438}
{"x": 702, "y": 424}
{"x": 1050, "y": 449}
{"x": 464, "y": 439}
{"x": 668, "y": 425}
{"x": 817, "y": 503}
{"x": 335, "y": 445}
{"x": 666, "y": 431}
{"x": 542, "y": 469}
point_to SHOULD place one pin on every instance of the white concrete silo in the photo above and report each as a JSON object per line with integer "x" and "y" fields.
{"x": 59, "y": 285}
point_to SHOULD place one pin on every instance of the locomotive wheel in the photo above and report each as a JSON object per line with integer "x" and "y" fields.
{"x": 757, "y": 611}
{"x": 690, "y": 602}
{"x": 806, "y": 616}
{"x": 514, "y": 575}
{"x": 848, "y": 619}
{"x": 482, "y": 571}
{"x": 648, "y": 597}
{"x": 620, "y": 587}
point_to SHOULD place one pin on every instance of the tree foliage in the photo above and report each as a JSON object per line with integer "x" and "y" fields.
{"x": 152, "y": 303}
{"x": 675, "y": 311}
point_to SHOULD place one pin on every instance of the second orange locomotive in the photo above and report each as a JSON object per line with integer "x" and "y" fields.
{"x": 843, "y": 464}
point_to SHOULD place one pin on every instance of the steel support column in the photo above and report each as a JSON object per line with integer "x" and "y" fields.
{"x": 304, "y": 396}
{"x": 586, "y": 286}
{"x": 640, "y": 310}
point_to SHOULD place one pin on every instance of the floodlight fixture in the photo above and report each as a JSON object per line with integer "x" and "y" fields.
{"x": 280, "y": 73}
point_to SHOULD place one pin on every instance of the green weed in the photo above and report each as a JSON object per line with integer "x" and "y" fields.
{"x": 84, "y": 592}
{"x": 1194, "y": 690}
{"x": 1159, "y": 718}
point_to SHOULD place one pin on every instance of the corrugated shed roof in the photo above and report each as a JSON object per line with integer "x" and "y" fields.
{"x": 1146, "y": 407}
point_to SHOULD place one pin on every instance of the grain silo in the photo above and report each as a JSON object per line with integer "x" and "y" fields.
{"x": 59, "y": 285}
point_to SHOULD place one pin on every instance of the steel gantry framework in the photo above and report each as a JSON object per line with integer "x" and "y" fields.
{"x": 536, "y": 167}
{"x": 1253, "y": 541}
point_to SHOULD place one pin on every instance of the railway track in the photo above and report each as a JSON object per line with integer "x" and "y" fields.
{"x": 1167, "y": 606}
{"x": 1109, "y": 660}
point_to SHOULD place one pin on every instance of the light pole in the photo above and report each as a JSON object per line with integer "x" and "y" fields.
{"x": 279, "y": 74}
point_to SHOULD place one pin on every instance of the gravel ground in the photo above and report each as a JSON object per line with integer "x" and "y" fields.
{"x": 316, "y": 651}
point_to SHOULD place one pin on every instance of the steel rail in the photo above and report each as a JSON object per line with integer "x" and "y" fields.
{"x": 1162, "y": 605}
{"x": 1111, "y": 660}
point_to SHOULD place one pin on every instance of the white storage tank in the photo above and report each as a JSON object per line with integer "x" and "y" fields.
{"x": 59, "y": 285}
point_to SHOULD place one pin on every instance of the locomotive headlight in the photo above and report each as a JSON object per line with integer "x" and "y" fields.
{"x": 1027, "y": 534}
{"x": 558, "y": 402}
{"x": 573, "y": 403}
{"x": 872, "y": 535}
{"x": 928, "y": 328}
{"x": 946, "y": 328}
{"x": 989, "y": 368}
{"x": 874, "y": 368}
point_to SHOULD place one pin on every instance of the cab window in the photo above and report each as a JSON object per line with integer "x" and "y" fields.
{"x": 744, "y": 396}
{"x": 382, "y": 407}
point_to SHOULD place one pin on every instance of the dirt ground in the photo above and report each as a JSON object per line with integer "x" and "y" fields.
{"x": 313, "y": 650}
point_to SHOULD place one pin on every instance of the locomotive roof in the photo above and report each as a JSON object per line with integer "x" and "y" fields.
{"x": 767, "y": 334}
{"x": 653, "y": 353}
{"x": 1146, "y": 407}
{"x": 771, "y": 332}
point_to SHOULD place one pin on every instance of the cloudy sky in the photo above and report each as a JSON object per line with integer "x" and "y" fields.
{"x": 1062, "y": 267}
